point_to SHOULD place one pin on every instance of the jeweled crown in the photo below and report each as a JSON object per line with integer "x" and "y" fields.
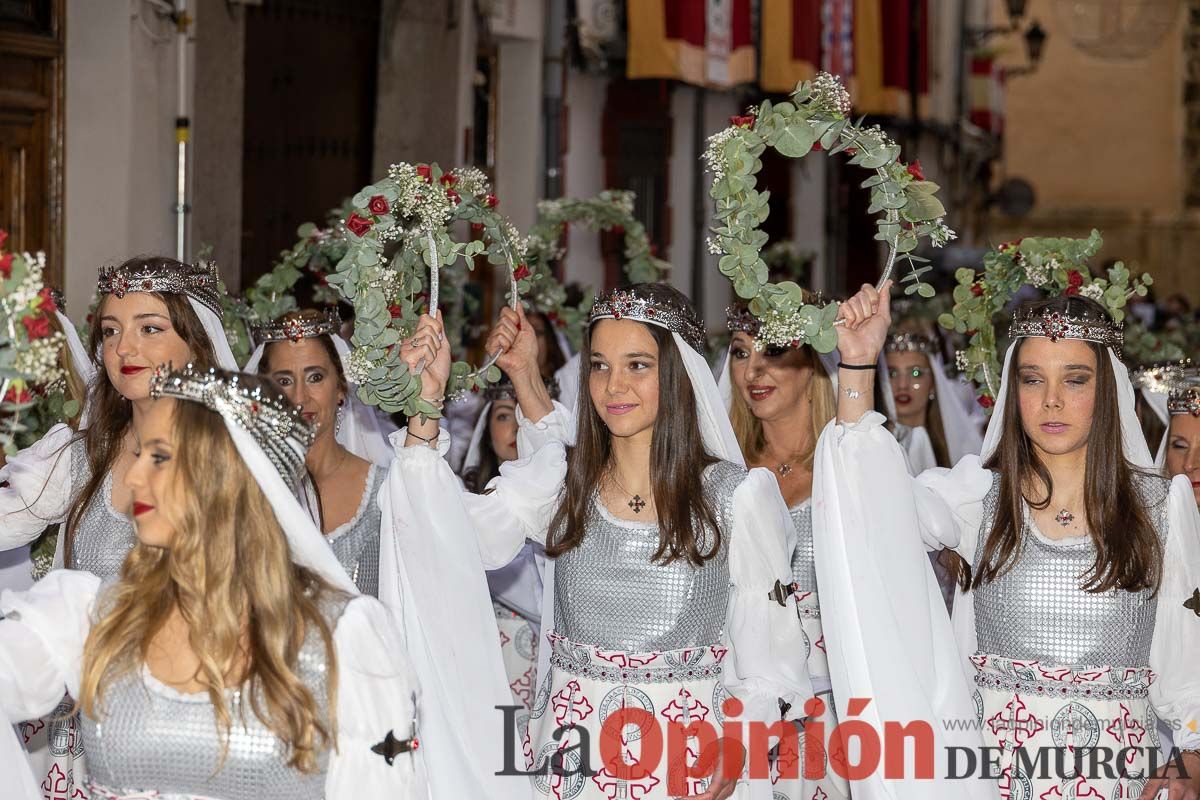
{"x": 1164, "y": 377}
{"x": 1184, "y": 387}
{"x": 909, "y": 343}
{"x": 197, "y": 281}
{"x": 504, "y": 390}
{"x": 275, "y": 424}
{"x": 738, "y": 319}
{"x": 628, "y": 304}
{"x": 1054, "y": 325}
{"x": 294, "y": 328}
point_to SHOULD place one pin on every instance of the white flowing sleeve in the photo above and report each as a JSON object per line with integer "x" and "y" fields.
{"x": 768, "y": 657}
{"x": 376, "y": 699}
{"x": 434, "y": 545}
{"x": 890, "y": 640}
{"x": 1175, "y": 651}
{"x": 35, "y": 488}
{"x": 42, "y": 632}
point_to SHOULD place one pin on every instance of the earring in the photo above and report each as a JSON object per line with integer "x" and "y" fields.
{"x": 932, "y": 394}
{"x": 337, "y": 424}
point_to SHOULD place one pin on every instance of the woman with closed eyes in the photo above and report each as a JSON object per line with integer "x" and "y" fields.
{"x": 1075, "y": 626}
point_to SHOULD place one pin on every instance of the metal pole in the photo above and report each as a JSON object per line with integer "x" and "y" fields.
{"x": 183, "y": 128}
{"x": 699, "y": 209}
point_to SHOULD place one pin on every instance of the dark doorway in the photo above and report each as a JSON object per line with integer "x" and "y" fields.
{"x": 309, "y": 118}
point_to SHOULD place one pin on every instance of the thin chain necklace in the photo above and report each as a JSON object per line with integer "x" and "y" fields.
{"x": 785, "y": 467}
{"x": 637, "y": 503}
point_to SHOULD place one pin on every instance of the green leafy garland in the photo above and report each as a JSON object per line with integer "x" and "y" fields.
{"x": 1053, "y": 266}
{"x": 610, "y": 210}
{"x": 32, "y": 379}
{"x": 414, "y": 207}
{"x": 815, "y": 118}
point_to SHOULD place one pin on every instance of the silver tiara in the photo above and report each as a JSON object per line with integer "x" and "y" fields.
{"x": 1164, "y": 377}
{"x": 627, "y": 304}
{"x": 1184, "y": 401}
{"x": 1055, "y": 325}
{"x": 738, "y": 319}
{"x": 165, "y": 276}
{"x": 276, "y": 425}
{"x": 909, "y": 343}
{"x": 293, "y": 329}
{"x": 504, "y": 390}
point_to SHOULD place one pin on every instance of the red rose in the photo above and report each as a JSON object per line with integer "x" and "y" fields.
{"x": 986, "y": 401}
{"x": 358, "y": 225}
{"x": 3, "y": 237}
{"x": 47, "y": 306}
{"x": 425, "y": 172}
{"x": 619, "y": 230}
{"x": 1014, "y": 244}
{"x": 6, "y": 265}
{"x": 491, "y": 201}
{"x": 816, "y": 148}
{"x": 972, "y": 331}
{"x": 851, "y": 151}
{"x": 1071, "y": 290}
{"x": 453, "y": 195}
{"x": 914, "y": 169}
{"x": 37, "y": 326}
{"x": 448, "y": 179}
{"x": 378, "y": 205}
{"x": 395, "y": 311}
{"x": 322, "y": 278}
{"x": 18, "y": 397}
{"x": 977, "y": 289}
{"x": 1074, "y": 278}
{"x": 477, "y": 227}
{"x": 521, "y": 271}
{"x": 746, "y": 121}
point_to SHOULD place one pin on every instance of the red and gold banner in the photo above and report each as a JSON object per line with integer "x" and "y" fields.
{"x": 702, "y": 42}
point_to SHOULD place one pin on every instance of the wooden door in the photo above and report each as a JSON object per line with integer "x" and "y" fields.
{"x": 309, "y": 118}
{"x": 32, "y": 73}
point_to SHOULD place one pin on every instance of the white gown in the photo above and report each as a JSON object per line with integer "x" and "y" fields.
{"x": 760, "y": 660}
{"x": 916, "y": 664}
{"x": 41, "y": 651}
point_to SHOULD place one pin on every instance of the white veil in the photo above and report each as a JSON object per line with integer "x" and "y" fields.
{"x": 961, "y": 429}
{"x": 361, "y": 432}
{"x": 216, "y": 334}
{"x": 1132, "y": 438}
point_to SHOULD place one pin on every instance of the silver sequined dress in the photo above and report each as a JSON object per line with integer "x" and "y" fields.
{"x": 103, "y": 537}
{"x": 632, "y": 633}
{"x": 356, "y": 542}
{"x": 152, "y": 737}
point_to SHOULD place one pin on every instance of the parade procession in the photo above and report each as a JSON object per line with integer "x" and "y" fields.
{"x": 599, "y": 399}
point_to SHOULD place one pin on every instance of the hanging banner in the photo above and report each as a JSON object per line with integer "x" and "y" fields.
{"x": 701, "y": 42}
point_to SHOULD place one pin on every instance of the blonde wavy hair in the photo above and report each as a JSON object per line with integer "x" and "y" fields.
{"x": 229, "y": 573}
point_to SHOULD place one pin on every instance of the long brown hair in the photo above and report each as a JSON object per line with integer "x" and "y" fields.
{"x": 110, "y": 414}
{"x": 1128, "y": 551}
{"x": 937, "y": 432}
{"x": 677, "y": 454}
{"x": 229, "y": 573}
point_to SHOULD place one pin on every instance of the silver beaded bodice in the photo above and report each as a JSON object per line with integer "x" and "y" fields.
{"x": 608, "y": 593}
{"x": 151, "y": 738}
{"x": 1038, "y": 610}
{"x": 103, "y": 537}
{"x": 356, "y": 543}
{"x": 804, "y": 570}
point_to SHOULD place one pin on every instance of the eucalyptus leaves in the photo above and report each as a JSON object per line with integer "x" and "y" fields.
{"x": 1053, "y": 266}
{"x": 412, "y": 211}
{"x": 815, "y": 118}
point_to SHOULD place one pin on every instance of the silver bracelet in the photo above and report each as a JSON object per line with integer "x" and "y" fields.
{"x": 853, "y": 394}
{"x": 439, "y": 403}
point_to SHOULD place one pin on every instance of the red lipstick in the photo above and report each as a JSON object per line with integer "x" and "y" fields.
{"x": 129, "y": 369}
{"x": 141, "y": 508}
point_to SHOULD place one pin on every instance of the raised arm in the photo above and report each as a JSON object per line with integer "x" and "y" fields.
{"x": 35, "y": 488}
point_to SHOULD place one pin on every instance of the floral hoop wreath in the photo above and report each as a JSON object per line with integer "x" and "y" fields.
{"x": 31, "y": 373}
{"x": 610, "y": 210}
{"x": 1053, "y": 266}
{"x": 816, "y": 118}
{"x": 415, "y": 205}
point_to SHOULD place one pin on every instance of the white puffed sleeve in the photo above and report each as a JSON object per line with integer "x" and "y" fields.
{"x": 434, "y": 545}
{"x": 38, "y": 490}
{"x": 1175, "y": 651}
{"x": 376, "y": 696}
{"x": 768, "y": 657}
{"x": 42, "y": 633}
{"x": 890, "y": 640}
{"x": 557, "y": 426}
